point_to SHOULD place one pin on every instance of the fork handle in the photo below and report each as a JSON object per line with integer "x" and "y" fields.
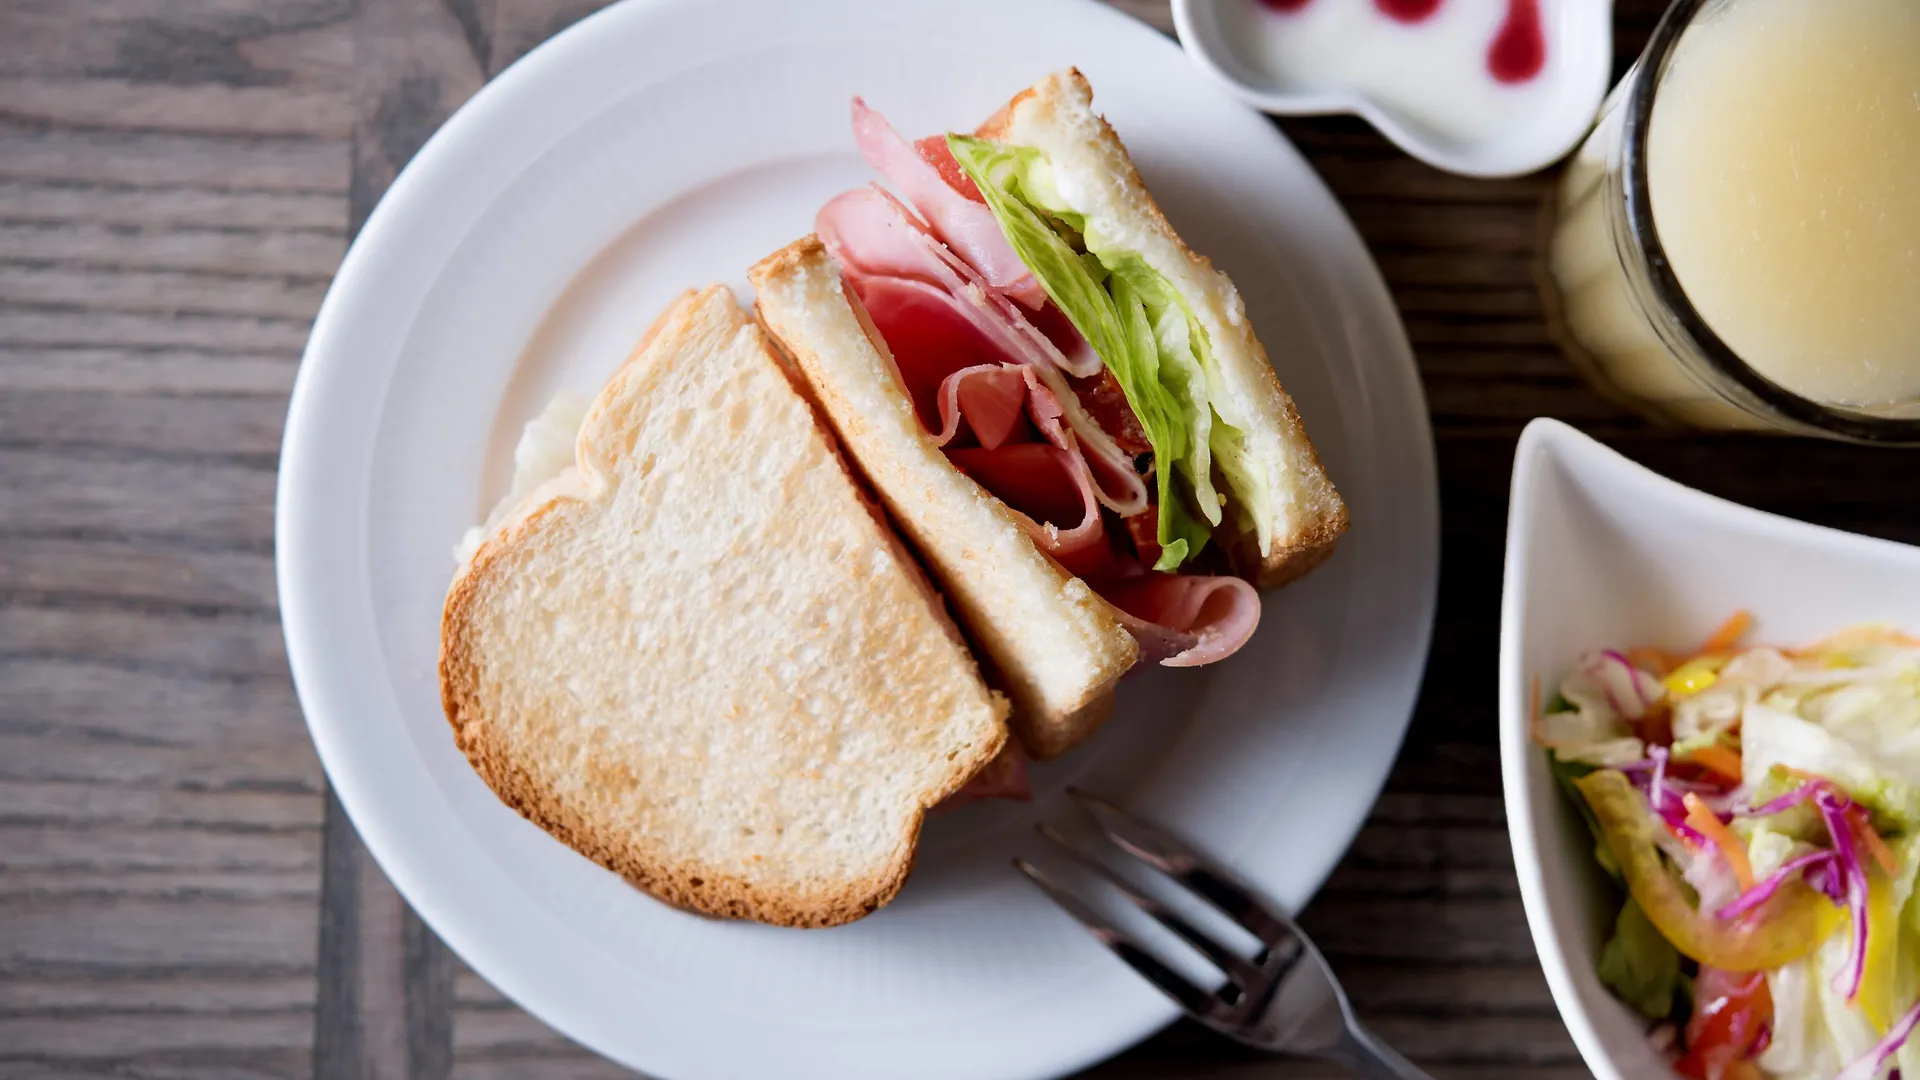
{"x": 1372, "y": 1059}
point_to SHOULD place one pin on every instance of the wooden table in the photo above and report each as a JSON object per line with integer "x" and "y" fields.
{"x": 179, "y": 897}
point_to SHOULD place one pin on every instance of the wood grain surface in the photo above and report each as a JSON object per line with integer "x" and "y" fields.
{"x": 178, "y": 895}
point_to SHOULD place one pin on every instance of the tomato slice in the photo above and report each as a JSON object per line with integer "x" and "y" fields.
{"x": 934, "y": 151}
{"x": 1732, "y": 1013}
{"x": 1144, "y": 528}
{"x": 1103, "y": 399}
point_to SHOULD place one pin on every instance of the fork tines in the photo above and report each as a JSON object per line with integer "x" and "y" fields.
{"x": 1200, "y": 1002}
{"x": 1249, "y": 981}
{"x": 1213, "y": 882}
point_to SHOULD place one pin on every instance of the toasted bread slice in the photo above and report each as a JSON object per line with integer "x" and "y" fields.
{"x": 699, "y": 658}
{"x": 1098, "y": 179}
{"x": 1055, "y": 645}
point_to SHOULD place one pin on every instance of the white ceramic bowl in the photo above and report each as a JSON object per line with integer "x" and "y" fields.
{"x": 1602, "y": 553}
{"x": 1579, "y": 39}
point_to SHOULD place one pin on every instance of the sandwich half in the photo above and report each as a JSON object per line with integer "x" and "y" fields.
{"x": 699, "y": 657}
{"x": 1064, "y": 407}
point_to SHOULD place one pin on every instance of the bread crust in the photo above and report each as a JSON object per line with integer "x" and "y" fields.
{"x": 1062, "y": 102}
{"x": 652, "y": 863}
{"x": 1055, "y": 647}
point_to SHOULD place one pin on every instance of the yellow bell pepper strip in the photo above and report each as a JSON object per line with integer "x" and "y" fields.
{"x": 1788, "y": 926}
{"x": 1694, "y": 676}
{"x": 1880, "y": 970}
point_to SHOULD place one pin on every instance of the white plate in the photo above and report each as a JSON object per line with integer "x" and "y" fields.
{"x": 660, "y": 145}
{"x": 1602, "y": 553}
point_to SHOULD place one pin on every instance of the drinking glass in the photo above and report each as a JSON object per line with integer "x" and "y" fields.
{"x": 1618, "y": 308}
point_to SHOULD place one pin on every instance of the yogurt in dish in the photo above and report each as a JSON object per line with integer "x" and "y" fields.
{"x": 1461, "y": 70}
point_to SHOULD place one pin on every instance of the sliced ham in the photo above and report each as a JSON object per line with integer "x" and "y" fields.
{"x": 1048, "y": 482}
{"x": 1034, "y": 478}
{"x": 1185, "y": 620}
{"x": 870, "y": 234}
{"x": 1005, "y": 777}
{"x": 1180, "y": 620}
{"x": 968, "y": 227}
{"x": 991, "y": 403}
{"x": 883, "y": 237}
{"x": 930, "y": 339}
{"x": 992, "y": 397}
{"x": 1019, "y": 402}
{"x": 898, "y": 267}
{"x": 1081, "y": 361}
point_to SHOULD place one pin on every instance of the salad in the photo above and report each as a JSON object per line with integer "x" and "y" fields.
{"x": 1760, "y": 809}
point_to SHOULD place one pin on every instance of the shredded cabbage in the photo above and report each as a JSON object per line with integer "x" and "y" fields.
{"x": 1603, "y": 697}
{"x": 1737, "y": 683}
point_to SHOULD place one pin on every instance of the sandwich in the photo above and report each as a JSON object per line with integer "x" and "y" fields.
{"x": 689, "y": 647}
{"x": 1062, "y": 406}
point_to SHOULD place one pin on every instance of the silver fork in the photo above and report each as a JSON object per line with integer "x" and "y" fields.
{"x": 1284, "y": 998}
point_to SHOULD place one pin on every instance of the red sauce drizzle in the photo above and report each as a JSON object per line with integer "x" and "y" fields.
{"x": 1408, "y": 11}
{"x": 1518, "y": 52}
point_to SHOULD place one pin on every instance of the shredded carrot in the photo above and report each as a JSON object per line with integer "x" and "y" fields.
{"x": 1709, "y": 825}
{"x": 1656, "y": 661}
{"x": 1730, "y": 633}
{"x": 1868, "y": 635}
{"x": 1717, "y": 759}
{"x": 1877, "y": 848}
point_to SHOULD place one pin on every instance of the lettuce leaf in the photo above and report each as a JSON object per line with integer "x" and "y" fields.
{"x": 545, "y": 450}
{"x": 1144, "y": 332}
{"x": 1641, "y": 967}
{"x": 1872, "y": 766}
{"x": 1181, "y": 536}
{"x": 1564, "y": 775}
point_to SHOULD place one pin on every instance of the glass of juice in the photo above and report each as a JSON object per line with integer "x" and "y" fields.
{"x": 1737, "y": 245}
